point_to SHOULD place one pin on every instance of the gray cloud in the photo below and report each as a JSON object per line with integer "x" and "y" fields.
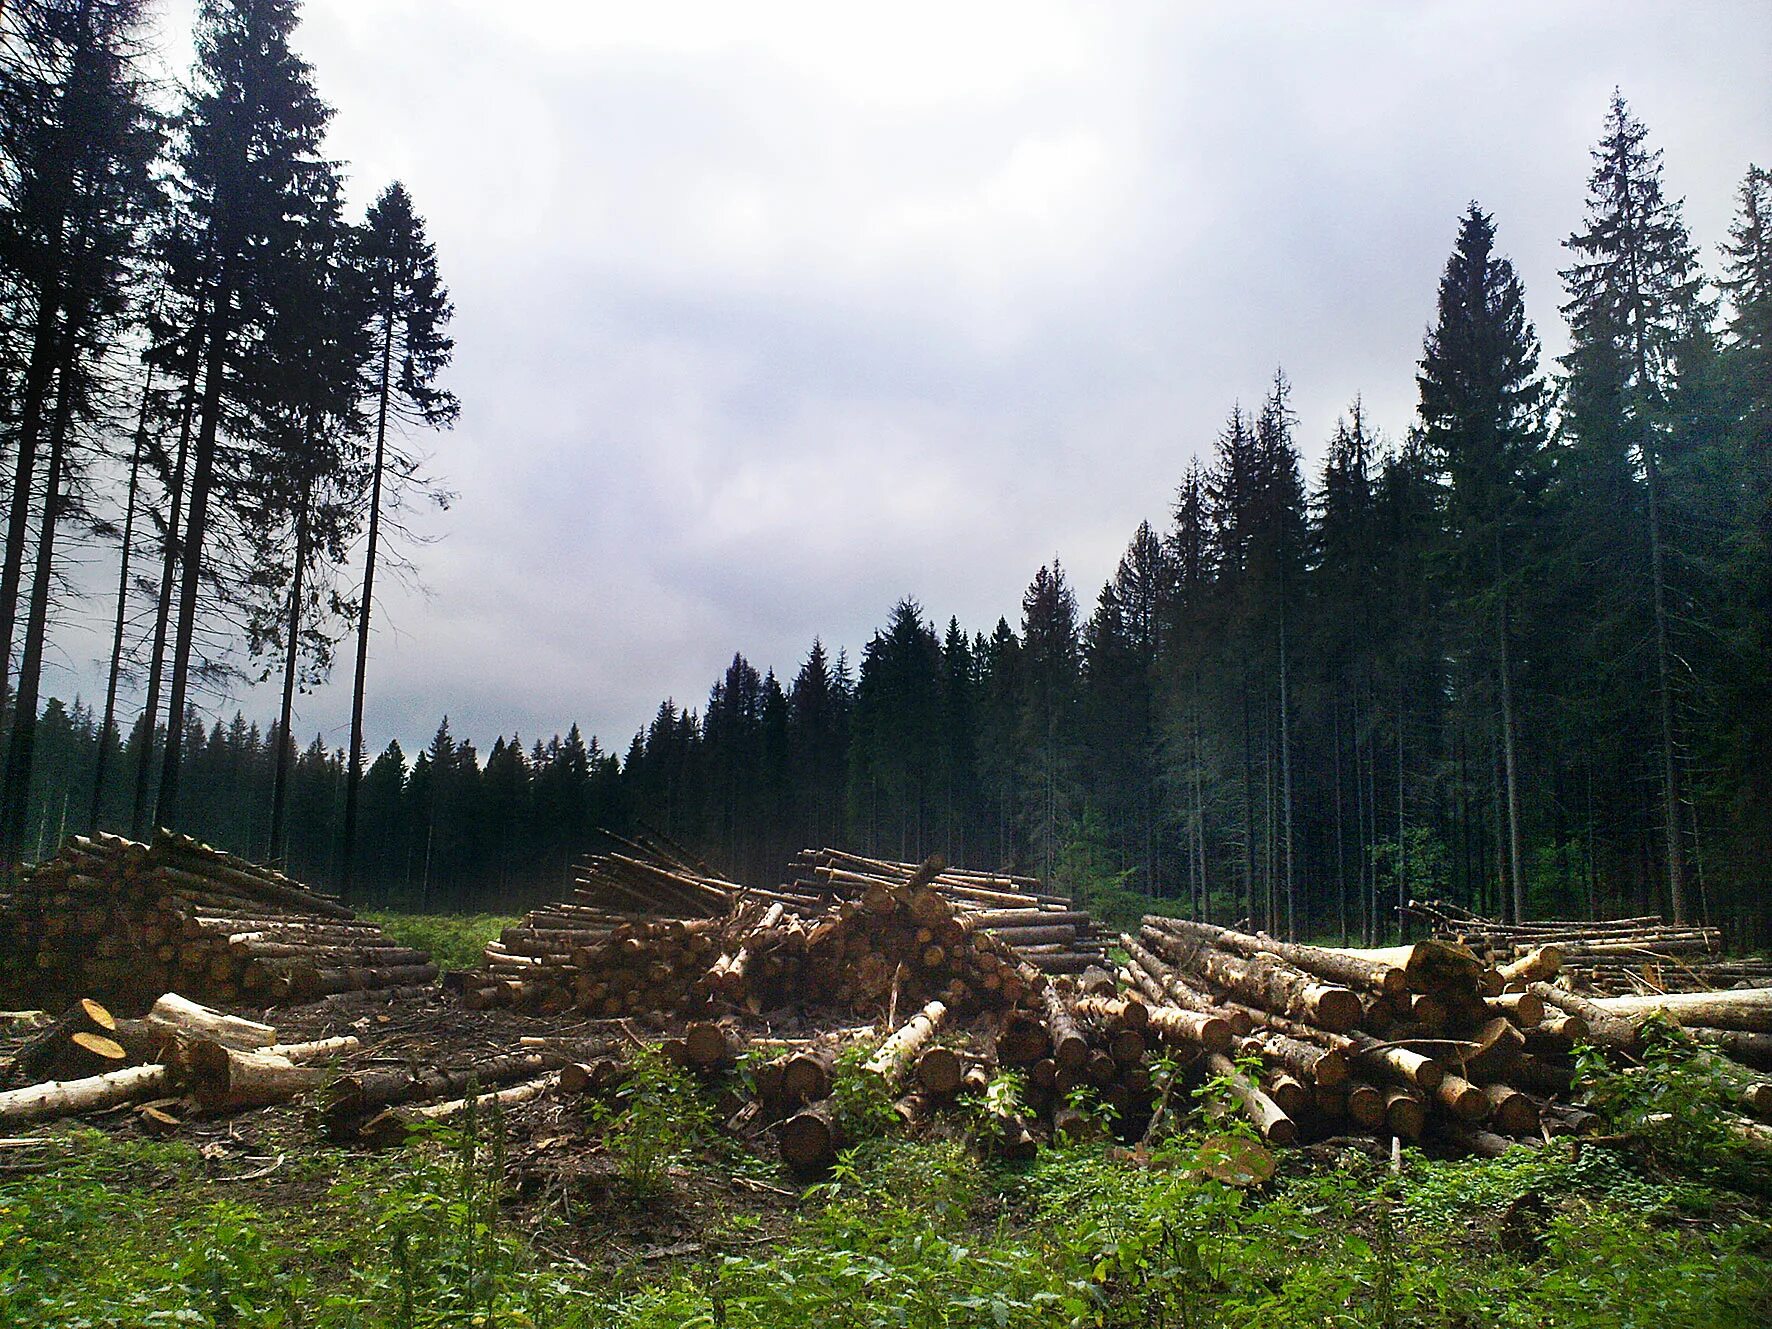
{"x": 769, "y": 314}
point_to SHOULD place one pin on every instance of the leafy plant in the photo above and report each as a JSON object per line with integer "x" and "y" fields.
{"x": 662, "y": 1118}
{"x": 860, "y": 1102}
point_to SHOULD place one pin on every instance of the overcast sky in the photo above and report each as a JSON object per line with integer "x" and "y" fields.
{"x": 770, "y": 314}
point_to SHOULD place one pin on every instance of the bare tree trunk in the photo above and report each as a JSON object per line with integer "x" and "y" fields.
{"x": 1516, "y": 870}
{"x": 354, "y": 758}
{"x": 1340, "y": 827}
{"x": 1286, "y": 774}
{"x": 280, "y": 784}
{"x": 15, "y": 798}
{"x": 202, "y": 480}
{"x": 110, "y": 716}
{"x": 39, "y": 374}
{"x": 169, "y": 556}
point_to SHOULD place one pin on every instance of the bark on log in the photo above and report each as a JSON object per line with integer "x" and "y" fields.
{"x": 62, "y": 1098}
{"x": 1538, "y": 965}
{"x": 1604, "y": 1028}
{"x": 395, "y": 1125}
{"x": 1342, "y": 967}
{"x": 224, "y": 1079}
{"x": 1275, "y": 1126}
{"x": 1069, "y": 1048}
{"x": 1746, "y": 1009}
{"x": 357, "y": 1093}
{"x": 1265, "y": 980}
{"x": 189, "y": 1018}
{"x": 1184, "y": 1028}
{"x": 1753, "y": 1050}
{"x": 894, "y": 1058}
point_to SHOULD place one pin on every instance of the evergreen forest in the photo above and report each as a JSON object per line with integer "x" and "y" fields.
{"x": 1515, "y": 651}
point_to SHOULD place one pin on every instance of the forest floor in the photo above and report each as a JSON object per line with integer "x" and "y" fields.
{"x": 643, "y": 1212}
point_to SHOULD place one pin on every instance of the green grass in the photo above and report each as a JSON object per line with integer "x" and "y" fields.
{"x": 130, "y": 1233}
{"x": 455, "y": 941}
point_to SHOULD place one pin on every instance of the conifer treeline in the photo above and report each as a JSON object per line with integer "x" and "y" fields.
{"x": 1520, "y": 652}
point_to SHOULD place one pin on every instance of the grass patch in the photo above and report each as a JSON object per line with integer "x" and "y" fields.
{"x": 455, "y": 941}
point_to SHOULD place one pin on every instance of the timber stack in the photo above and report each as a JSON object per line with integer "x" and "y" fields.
{"x": 1044, "y": 929}
{"x": 1607, "y": 956}
{"x": 1427, "y": 1040}
{"x": 122, "y": 921}
{"x": 899, "y": 940}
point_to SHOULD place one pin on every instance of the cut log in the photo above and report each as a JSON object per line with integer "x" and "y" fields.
{"x": 1604, "y": 1028}
{"x": 709, "y": 1045}
{"x": 1538, "y": 965}
{"x": 49, "y": 1053}
{"x": 357, "y": 1093}
{"x": 1185, "y": 1028}
{"x": 806, "y": 1075}
{"x": 395, "y": 1125}
{"x": 1753, "y": 1050}
{"x": 1745, "y": 1009}
{"x": 808, "y": 1141}
{"x": 1273, "y": 1124}
{"x": 1463, "y": 1099}
{"x": 1510, "y": 1111}
{"x": 1405, "y": 1113}
{"x": 64, "y": 1098}
{"x": 189, "y": 1018}
{"x": 1525, "y": 1009}
{"x": 225, "y": 1079}
{"x": 1343, "y": 967}
{"x": 896, "y": 1054}
{"x": 1265, "y": 980}
{"x": 1069, "y": 1048}
{"x": 1428, "y": 966}
{"x": 939, "y": 1071}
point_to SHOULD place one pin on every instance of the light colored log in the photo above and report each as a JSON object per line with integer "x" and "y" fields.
{"x": 93, "y": 1093}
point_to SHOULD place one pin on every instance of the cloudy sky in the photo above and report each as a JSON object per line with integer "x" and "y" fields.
{"x": 769, "y": 314}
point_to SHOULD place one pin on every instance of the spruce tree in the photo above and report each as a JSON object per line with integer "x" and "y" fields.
{"x": 1635, "y": 297}
{"x": 410, "y": 310}
{"x": 1481, "y": 415}
{"x": 249, "y": 151}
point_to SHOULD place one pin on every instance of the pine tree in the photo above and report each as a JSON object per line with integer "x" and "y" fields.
{"x": 410, "y": 308}
{"x": 1481, "y": 414}
{"x": 1635, "y": 298}
{"x": 249, "y": 150}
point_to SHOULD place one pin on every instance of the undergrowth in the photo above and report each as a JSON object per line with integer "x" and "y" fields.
{"x": 1628, "y": 1229}
{"x": 455, "y": 941}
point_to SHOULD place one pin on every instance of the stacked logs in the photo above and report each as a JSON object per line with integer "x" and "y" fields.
{"x": 1411, "y": 1041}
{"x": 1619, "y": 955}
{"x": 1072, "y": 1064}
{"x": 649, "y": 877}
{"x": 897, "y": 940}
{"x": 1042, "y": 928}
{"x": 122, "y": 921}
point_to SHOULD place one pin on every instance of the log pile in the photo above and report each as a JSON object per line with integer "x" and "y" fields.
{"x": 1429, "y": 1040}
{"x": 649, "y": 876}
{"x": 897, "y": 940}
{"x": 1619, "y": 955}
{"x": 1044, "y": 929}
{"x": 123, "y": 921}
